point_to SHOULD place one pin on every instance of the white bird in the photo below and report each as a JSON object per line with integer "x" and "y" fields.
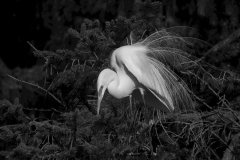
{"x": 141, "y": 70}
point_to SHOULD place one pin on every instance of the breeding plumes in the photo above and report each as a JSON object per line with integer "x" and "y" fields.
{"x": 143, "y": 70}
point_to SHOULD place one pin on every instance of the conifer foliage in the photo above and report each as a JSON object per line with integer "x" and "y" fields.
{"x": 74, "y": 131}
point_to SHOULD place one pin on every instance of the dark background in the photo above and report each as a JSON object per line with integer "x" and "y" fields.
{"x": 43, "y": 22}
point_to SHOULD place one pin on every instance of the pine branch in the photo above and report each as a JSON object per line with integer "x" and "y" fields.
{"x": 43, "y": 110}
{"x": 35, "y": 85}
{"x": 209, "y": 87}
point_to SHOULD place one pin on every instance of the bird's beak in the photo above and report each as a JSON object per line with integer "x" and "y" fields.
{"x": 100, "y": 96}
{"x": 99, "y": 105}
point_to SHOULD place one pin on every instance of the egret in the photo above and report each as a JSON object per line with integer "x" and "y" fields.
{"x": 141, "y": 70}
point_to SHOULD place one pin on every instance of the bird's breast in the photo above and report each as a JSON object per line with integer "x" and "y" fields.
{"x": 124, "y": 86}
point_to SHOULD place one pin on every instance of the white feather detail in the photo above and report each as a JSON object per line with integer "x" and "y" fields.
{"x": 147, "y": 60}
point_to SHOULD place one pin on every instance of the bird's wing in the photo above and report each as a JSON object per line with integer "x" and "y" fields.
{"x": 146, "y": 71}
{"x": 152, "y": 99}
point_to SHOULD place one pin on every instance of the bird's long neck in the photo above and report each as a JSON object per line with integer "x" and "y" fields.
{"x": 113, "y": 88}
{"x": 121, "y": 85}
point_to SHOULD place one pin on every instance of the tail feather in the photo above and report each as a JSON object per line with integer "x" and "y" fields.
{"x": 163, "y": 48}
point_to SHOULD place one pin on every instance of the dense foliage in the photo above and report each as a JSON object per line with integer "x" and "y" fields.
{"x": 68, "y": 127}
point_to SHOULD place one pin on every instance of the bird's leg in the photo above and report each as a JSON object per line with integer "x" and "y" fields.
{"x": 142, "y": 93}
{"x": 145, "y": 107}
{"x": 130, "y": 98}
{"x": 158, "y": 114}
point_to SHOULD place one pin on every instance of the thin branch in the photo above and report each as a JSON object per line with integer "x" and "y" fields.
{"x": 35, "y": 85}
{"x": 32, "y": 46}
{"x": 235, "y": 35}
{"x": 43, "y": 110}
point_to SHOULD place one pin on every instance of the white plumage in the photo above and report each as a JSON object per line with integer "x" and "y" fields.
{"x": 142, "y": 70}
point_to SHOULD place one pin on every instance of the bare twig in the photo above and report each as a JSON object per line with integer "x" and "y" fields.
{"x": 235, "y": 35}
{"x": 35, "y": 85}
{"x": 32, "y": 46}
{"x": 43, "y": 110}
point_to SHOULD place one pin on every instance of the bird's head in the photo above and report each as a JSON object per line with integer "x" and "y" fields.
{"x": 104, "y": 79}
